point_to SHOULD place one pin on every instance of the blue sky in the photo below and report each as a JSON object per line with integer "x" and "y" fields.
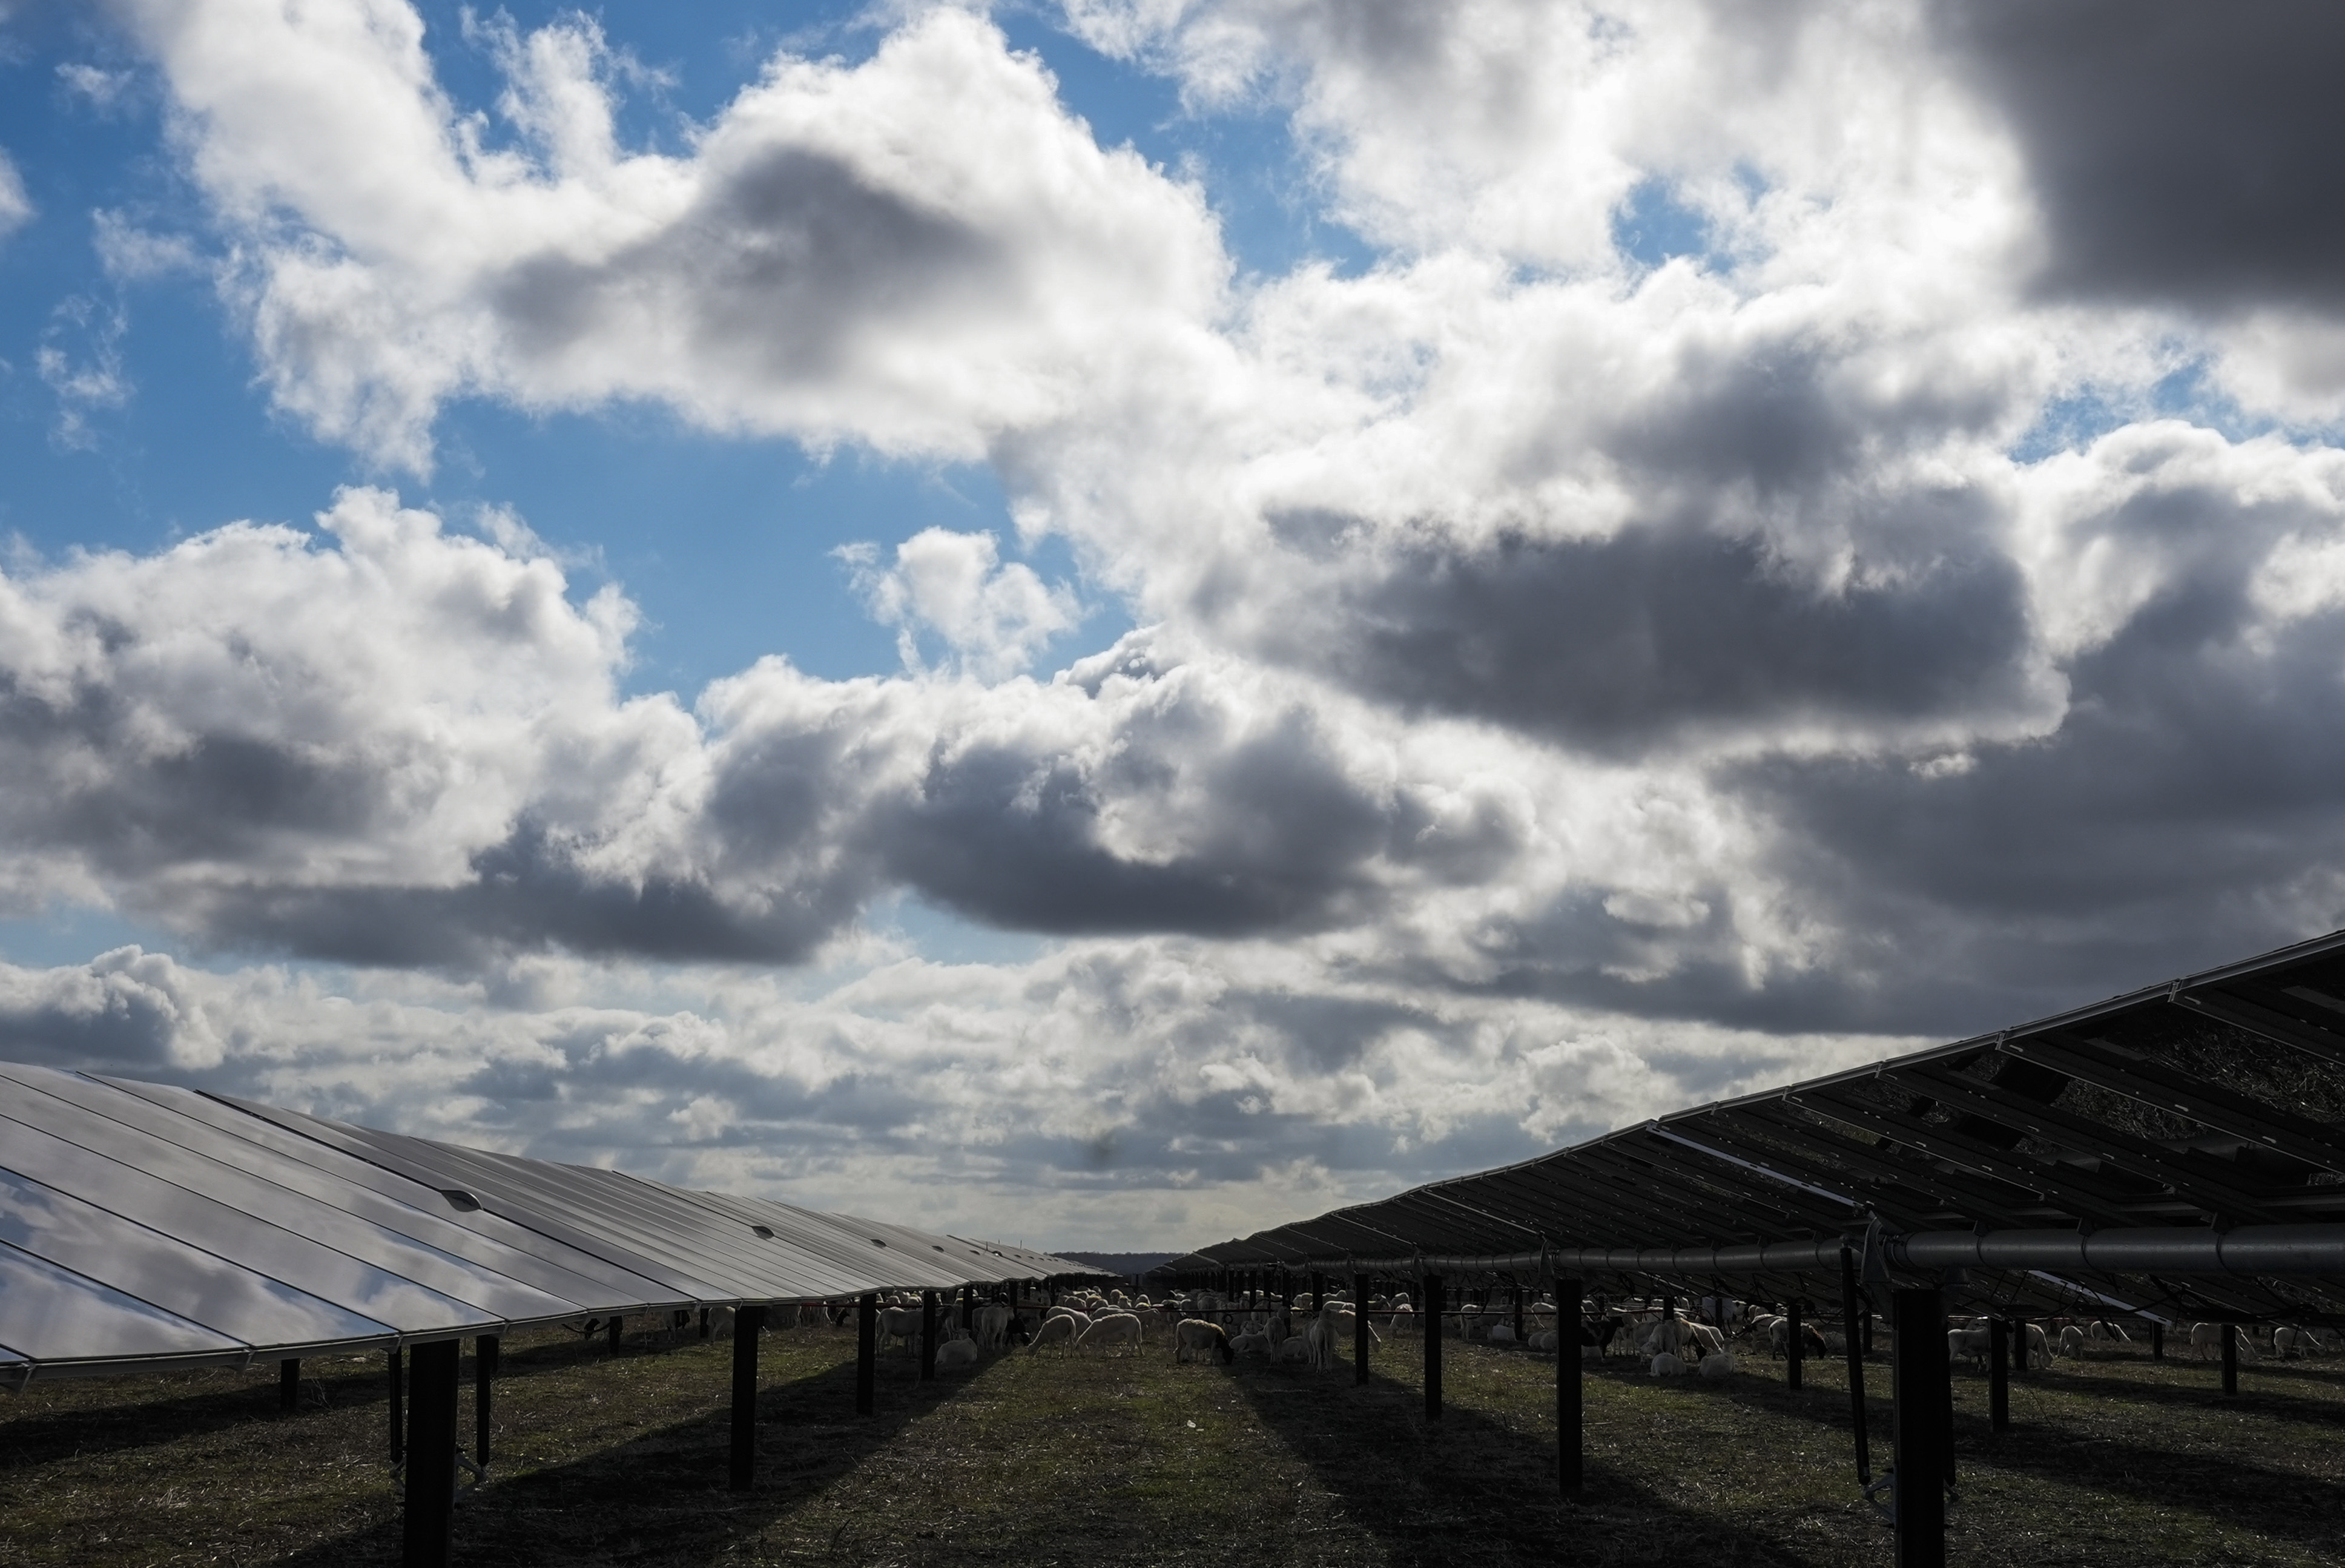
{"x": 726, "y": 542}
{"x": 1503, "y": 570}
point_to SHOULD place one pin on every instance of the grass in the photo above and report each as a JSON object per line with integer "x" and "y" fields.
{"x": 1041, "y": 1461}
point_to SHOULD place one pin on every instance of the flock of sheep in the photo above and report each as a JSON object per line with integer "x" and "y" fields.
{"x": 1668, "y": 1340}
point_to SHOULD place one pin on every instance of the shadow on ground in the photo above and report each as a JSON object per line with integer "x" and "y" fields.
{"x": 338, "y": 1384}
{"x": 663, "y": 1494}
{"x": 1469, "y": 1490}
{"x": 2224, "y": 1484}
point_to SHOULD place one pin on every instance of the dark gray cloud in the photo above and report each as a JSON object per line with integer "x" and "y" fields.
{"x": 785, "y": 256}
{"x": 123, "y": 1030}
{"x": 1617, "y": 644}
{"x": 1015, "y": 839}
{"x": 2181, "y": 152}
{"x": 526, "y": 895}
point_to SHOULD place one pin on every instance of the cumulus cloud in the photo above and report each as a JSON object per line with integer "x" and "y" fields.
{"x": 993, "y": 618}
{"x": 915, "y": 252}
{"x": 406, "y": 746}
{"x": 1720, "y": 572}
{"x": 1101, "y": 1090}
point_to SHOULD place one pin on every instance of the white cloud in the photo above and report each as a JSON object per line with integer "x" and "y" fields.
{"x": 918, "y": 252}
{"x": 133, "y": 255}
{"x": 100, "y": 88}
{"x": 1063, "y": 1099}
{"x": 80, "y": 359}
{"x": 996, "y": 619}
{"x": 15, "y": 206}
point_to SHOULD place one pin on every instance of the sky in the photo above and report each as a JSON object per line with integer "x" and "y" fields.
{"x": 1113, "y": 623}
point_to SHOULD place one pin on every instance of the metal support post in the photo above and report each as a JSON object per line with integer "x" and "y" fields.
{"x": 288, "y": 1385}
{"x": 866, "y": 1352}
{"x": 397, "y": 1359}
{"x": 1359, "y": 1331}
{"x": 747, "y": 1321}
{"x": 484, "y": 1381}
{"x": 1848, "y": 1307}
{"x": 1794, "y": 1346}
{"x": 969, "y": 1307}
{"x": 927, "y": 1336}
{"x": 1998, "y": 1374}
{"x": 2230, "y": 1358}
{"x": 617, "y": 1326}
{"x": 1568, "y": 1466}
{"x": 428, "y": 1539}
{"x": 704, "y": 1323}
{"x": 1432, "y": 1346}
{"x": 1318, "y": 1291}
{"x": 1925, "y": 1427}
{"x": 1519, "y": 1337}
{"x": 2157, "y": 1342}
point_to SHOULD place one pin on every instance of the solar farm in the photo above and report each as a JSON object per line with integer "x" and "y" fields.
{"x": 2069, "y": 1292}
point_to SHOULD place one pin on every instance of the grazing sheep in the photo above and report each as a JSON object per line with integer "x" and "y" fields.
{"x": 1717, "y": 1364}
{"x": 1195, "y": 1336}
{"x": 1665, "y": 1365}
{"x": 2289, "y": 1342}
{"x": 1055, "y": 1330}
{"x": 954, "y": 1353}
{"x": 1117, "y": 1329}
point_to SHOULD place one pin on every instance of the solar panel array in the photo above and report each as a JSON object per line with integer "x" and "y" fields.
{"x": 144, "y": 1224}
{"x": 2169, "y": 1130}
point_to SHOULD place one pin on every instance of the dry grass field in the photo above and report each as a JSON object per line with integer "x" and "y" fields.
{"x": 1088, "y": 1462}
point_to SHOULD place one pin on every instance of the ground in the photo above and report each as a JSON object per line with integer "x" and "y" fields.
{"x": 1037, "y": 1461}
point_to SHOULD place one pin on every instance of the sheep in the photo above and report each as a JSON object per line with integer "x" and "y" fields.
{"x": 992, "y": 1323}
{"x": 1055, "y": 1330}
{"x": 955, "y": 1353}
{"x": 1113, "y": 1330}
{"x": 2289, "y": 1342}
{"x": 1194, "y": 1335}
{"x": 1294, "y": 1348}
{"x": 1668, "y": 1336}
{"x": 899, "y": 1324}
{"x": 1501, "y": 1334}
{"x": 1343, "y": 1319}
{"x": 1665, "y": 1365}
{"x": 1319, "y": 1339}
{"x": 1717, "y": 1364}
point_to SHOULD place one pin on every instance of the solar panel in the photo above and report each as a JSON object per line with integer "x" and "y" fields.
{"x": 2204, "y": 1116}
{"x": 144, "y": 1224}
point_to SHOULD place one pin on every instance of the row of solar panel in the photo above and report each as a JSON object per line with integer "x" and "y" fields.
{"x": 2215, "y": 1101}
{"x": 141, "y": 1223}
